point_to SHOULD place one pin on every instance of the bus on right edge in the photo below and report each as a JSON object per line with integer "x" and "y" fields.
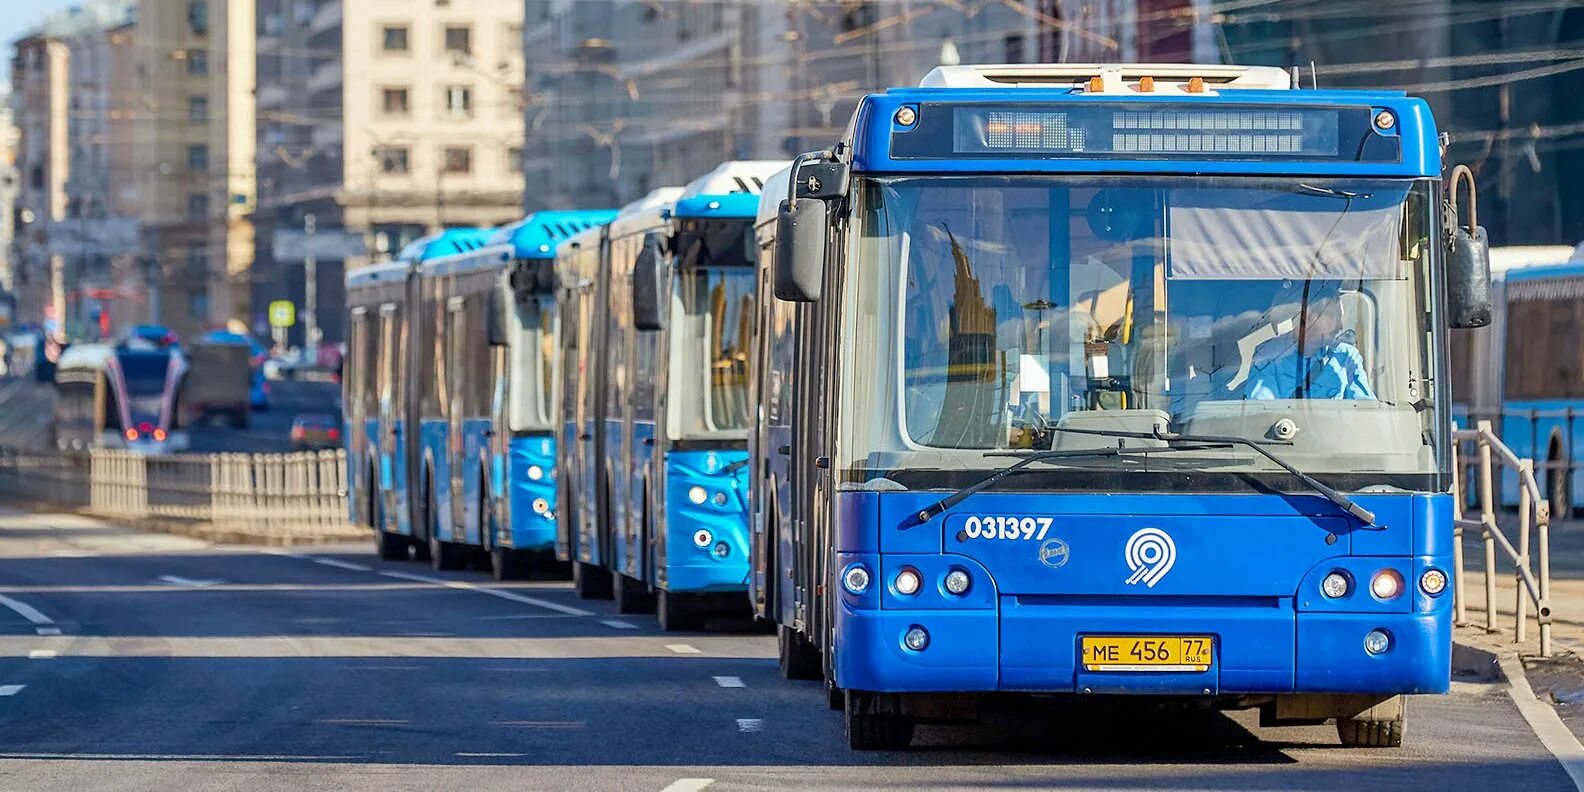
{"x": 1113, "y": 381}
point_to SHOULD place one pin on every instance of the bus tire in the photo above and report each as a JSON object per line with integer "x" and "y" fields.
{"x": 631, "y": 595}
{"x": 675, "y": 615}
{"x": 590, "y": 582}
{"x": 797, "y": 656}
{"x": 1356, "y": 733}
{"x": 1557, "y": 481}
{"x": 389, "y": 546}
{"x": 873, "y": 723}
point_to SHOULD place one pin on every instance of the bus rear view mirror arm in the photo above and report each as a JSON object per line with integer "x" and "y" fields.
{"x": 1467, "y": 260}
{"x": 649, "y": 285}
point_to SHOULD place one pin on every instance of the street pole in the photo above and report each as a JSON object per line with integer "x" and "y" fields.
{"x": 310, "y": 294}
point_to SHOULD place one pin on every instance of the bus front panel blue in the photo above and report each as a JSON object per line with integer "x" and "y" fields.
{"x": 530, "y": 472}
{"x": 706, "y": 522}
{"x": 1048, "y": 571}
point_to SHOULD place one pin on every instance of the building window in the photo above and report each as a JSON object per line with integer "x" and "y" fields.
{"x": 393, "y": 160}
{"x": 514, "y": 161}
{"x": 198, "y": 109}
{"x": 459, "y": 101}
{"x": 197, "y": 62}
{"x": 394, "y": 101}
{"x": 393, "y": 38}
{"x": 198, "y": 157}
{"x": 198, "y": 16}
{"x": 457, "y": 159}
{"x": 513, "y": 45}
{"x": 459, "y": 39}
{"x": 198, "y": 205}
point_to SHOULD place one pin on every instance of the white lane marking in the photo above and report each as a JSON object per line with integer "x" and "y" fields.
{"x": 618, "y": 624}
{"x": 26, "y": 611}
{"x": 189, "y": 582}
{"x": 730, "y": 682}
{"x": 689, "y": 785}
{"x": 683, "y": 649}
{"x": 481, "y": 755}
{"x": 546, "y": 725}
{"x": 750, "y": 724}
{"x": 493, "y": 592}
{"x": 41, "y": 654}
{"x": 1544, "y": 721}
{"x": 11, "y": 690}
{"x": 364, "y": 721}
{"x": 49, "y": 631}
{"x": 339, "y": 564}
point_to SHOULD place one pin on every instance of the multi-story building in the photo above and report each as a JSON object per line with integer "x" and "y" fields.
{"x": 382, "y": 121}
{"x": 194, "y": 136}
{"x": 9, "y": 183}
{"x": 40, "y": 78}
{"x": 626, "y": 95}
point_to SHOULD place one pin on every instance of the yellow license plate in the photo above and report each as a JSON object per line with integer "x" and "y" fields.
{"x": 1148, "y": 652}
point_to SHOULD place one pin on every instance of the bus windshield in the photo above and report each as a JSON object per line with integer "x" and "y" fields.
{"x": 709, "y": 347}
{"x": 145, "y": 374}
{"x": 532, "y": 342}
{"x": 992, "y": 315}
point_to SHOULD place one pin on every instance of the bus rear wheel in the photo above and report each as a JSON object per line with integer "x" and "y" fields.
{"x": 874, "y": 722}
{"x": 1370, "y": 733}
{"x": 590, "y": 582}
{"x": 797, "y": 656}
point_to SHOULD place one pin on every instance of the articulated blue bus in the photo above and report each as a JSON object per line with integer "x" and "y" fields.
{"x": 390, "y": 390}
{"x": 655, "y": 350}
{"x": 1112, "y": 381}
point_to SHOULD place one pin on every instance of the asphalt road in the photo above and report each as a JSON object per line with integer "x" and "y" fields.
{"x": 269, "y": 431}
{"x": 182, "y": 665}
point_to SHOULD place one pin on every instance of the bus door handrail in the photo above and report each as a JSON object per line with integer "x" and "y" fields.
{"x": 1534, "y": 512}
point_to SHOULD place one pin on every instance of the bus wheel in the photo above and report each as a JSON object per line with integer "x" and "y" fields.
{"x": 631, "y": 595}
{"x": 389, "y": 546}
{"x": 675, "y": 615}
{"x": 1557, "y": 485}
{"x": 797, "y": 655}
{"x": 590, "y": 582}
{"x": 873, "y": 722}
{"x": 1372, "y": 733}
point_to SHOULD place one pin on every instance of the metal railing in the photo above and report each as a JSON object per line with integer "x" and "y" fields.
{"x": 1534, "y": 514}
{"x": 297, "y": 496}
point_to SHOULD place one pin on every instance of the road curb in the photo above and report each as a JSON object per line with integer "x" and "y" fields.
{"x": 1543, "y": 720}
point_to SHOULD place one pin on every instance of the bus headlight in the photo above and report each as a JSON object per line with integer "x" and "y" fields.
{"x": 916, "y": 638}
{"x": 856, "y": 579}
{"x": 1386, "y": 584}
{"x": 722, "y": 550}
{"x": 907, "y": 582}
{"x": 698, "y": 495}
{"x": 1335, "y": 585}
{"x": 540, "y": 505}
{"x": 535, "y": 472}
{"x": 702, "y": 538}
{"x": 720, "y": 498}
{"x": 1433, "y": 582}
{"x": 957, "y": 581}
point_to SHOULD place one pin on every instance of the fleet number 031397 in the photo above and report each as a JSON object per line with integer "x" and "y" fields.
{"x": 995, "y": 527}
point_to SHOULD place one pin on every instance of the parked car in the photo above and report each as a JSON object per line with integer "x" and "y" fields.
{"x": 311, "y": 431}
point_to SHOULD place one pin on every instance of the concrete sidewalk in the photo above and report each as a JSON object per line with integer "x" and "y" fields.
{"x": 1567, "y": 587}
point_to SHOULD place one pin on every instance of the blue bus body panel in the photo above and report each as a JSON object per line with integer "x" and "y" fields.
{"x": 1529, "y": 429}
{"x": 475, "y": 453}
{"x": 531, "y": 530}
{"x": 688, "y": 567}
{"x": 1421, "y": 155}
{"x": 537, "y": 235}
{"x": 1244, "y": 570}
{"x": 434, "y": 438}
{"x": 740, "y": 205}
{"x": 393, "y": 479}
{"x": 634, "y": 554}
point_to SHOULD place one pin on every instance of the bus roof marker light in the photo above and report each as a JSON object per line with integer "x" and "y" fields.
{"x": 1146, "y": 84}
{"x": 1384, "y": 120}
{"x": 1097, "y": 84}
{"x": 1196, "y": 85}
{"x": 906, "y": 116}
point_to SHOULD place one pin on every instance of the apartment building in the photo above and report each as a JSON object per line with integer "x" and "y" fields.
{"x": 193, "y": 137}
{"x": 382, "y": 121}
{"x": 39, "y": 79}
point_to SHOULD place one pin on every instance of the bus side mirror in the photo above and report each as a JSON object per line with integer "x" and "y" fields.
{"x": 1468, "y": 262}
{"x": 495, "y": 318}
{"x": 648, "y": 287}
{"x": 800, "y": 249}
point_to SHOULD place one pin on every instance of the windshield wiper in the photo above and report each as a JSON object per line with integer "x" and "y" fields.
{"x": 1024, "y": 460}
{"x": 1331, "y": 192}
{"x": 1342, "y": 501}
{"x": 733, "y": 467}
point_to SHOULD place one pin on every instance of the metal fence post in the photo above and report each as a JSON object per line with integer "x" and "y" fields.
{"x": 1525, "y": 504}
{"x": 1488, "y": 518}
{"x": 1459, "y": 617}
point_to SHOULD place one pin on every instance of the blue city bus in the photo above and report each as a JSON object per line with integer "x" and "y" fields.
{"x": 669, "y": 529}
{"x": 389, "y": 387}
{"x": 1531, "y": 391}
{"x": 1111, "y": 381}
